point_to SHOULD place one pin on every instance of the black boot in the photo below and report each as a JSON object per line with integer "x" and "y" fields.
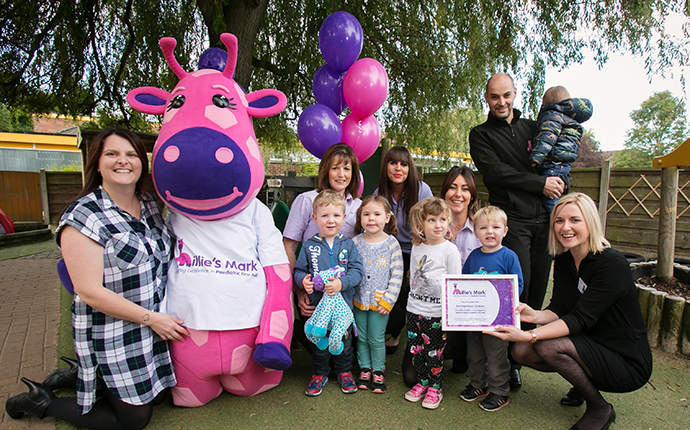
{"x": 63, "y": 378}
{"x": 35, "y": 402}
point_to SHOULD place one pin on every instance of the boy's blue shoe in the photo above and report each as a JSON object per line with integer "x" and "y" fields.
{"x": 347, "y": 383}
{"x": 316, "y": 385}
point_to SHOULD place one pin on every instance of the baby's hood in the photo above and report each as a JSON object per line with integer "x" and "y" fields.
{"x": 576, "y": 108}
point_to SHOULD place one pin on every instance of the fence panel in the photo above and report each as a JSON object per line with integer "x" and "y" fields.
{"x": 20, "y": 196}
{"x": 632, "y": 211}
{"x": 63, "y": 187}
{"x": 632, "y": 222}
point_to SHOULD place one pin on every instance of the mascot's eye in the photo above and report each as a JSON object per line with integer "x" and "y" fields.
{"x": 223, "y": 102}
{"x": 176, "y": 102}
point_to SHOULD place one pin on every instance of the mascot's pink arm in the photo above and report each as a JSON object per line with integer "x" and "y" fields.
{"x": 275, "y": 329}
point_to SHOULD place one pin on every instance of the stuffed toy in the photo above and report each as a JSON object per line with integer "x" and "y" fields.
{"x": 230, "y": 280}
{"x": 331, "y": 314}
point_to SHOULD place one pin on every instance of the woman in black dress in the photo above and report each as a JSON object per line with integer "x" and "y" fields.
{"x": 592, "y": 333}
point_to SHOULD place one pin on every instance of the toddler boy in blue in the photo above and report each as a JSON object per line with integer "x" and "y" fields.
{"x": 326, "y": 250}
{"x": 487, "y": 356}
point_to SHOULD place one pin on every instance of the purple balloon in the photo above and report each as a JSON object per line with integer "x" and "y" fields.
{"x": 340, "y": 40}
{"x": 327, "y": 87}
{"x": 65, "y": 279}
{"x": 318, "y": 128}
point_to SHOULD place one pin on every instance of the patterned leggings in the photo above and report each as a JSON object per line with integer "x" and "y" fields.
{"x": 427, "y": 342}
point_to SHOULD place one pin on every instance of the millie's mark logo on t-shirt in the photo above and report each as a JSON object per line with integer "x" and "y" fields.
{"x": 202, "y": 264}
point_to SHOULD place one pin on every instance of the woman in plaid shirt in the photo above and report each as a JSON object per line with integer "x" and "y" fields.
{"x": 116, "y": 248}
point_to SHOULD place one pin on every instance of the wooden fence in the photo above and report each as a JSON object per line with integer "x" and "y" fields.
{"x": 632, "y": 202}
{"x": 59, "y": 190}
{"x": 632, "y": 206}
{"x": 20, "y": 196}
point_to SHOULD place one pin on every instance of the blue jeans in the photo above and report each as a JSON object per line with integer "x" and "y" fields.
{"x": 341, "y": 362}
{"x": 561, "y": 170}
{"x": 371, "y": 342}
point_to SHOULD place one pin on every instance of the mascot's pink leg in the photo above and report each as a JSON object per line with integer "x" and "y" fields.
{"x": 210, "y": 361}
{"x": 243, "y": 376}
{"x": 275, "y": 330}
{"x": 198, "y": 367}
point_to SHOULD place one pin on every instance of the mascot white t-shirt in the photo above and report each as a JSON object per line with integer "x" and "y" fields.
{"x": 214, "y": 286}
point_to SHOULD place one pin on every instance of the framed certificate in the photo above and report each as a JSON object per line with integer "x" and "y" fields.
{"x": 479, "y": 302}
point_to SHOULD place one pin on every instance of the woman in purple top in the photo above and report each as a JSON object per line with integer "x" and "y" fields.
{"x": 339, "y": 171}
{"x": 399, "y": 183}
{"x": 459, "y": 190}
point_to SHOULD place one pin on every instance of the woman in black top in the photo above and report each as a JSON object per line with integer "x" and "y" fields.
{"x": 592, "y": 333}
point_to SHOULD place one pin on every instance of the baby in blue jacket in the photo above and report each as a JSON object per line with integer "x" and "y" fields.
{"x": 558, "y": 137}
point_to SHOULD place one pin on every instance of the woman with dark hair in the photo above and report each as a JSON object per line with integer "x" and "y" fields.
{"x": 116, "y": 248}
{"x": 459, "y": 190}
{"x": 339, "y": 171}
{"x": 592, "y": 333}
{"x": 399, "y": 183}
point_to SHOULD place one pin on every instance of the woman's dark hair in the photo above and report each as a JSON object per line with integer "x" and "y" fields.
{"x": 468, "y": 174}
{"x": 411, "y": 188}
{"x": 93, "y": 178}
{"x": 339, "y": 153}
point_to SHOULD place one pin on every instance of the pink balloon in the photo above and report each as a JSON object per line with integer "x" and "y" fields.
{"x": 365, "y": 87}
{"x": 362, "y": 135}
{"x": 360, "y": 190}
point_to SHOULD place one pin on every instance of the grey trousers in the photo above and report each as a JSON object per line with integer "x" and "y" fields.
{"x": 487, "y": 357}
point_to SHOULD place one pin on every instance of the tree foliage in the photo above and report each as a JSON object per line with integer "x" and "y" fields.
{"x": 632, "y": 157}
{"x": 78, "y": 57}
{"x": 15, "y": 120}
{"x": 589, "y": 155}
{"x": 660, "y": 125}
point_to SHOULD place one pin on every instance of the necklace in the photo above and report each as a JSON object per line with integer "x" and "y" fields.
{"x": 456, "y": 227}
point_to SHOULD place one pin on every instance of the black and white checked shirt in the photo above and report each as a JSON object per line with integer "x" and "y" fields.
{"x": 133, "y": 360}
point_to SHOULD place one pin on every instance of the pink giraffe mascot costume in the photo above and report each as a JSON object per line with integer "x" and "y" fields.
{"x": 230, "y": 281}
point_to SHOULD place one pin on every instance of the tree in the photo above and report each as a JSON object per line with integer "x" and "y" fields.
{"x": 78, "y": 57}
{"x": 632, "y": 157}
{"x": 660, "y": 126}
{"x": 15, "y": 120}
{"x": 589, "y": 155}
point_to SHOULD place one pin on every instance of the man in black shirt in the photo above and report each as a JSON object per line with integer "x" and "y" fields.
{"x": 500, "y": 149}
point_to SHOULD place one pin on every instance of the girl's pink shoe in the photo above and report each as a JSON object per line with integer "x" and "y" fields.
{"x": 416, "y": 393}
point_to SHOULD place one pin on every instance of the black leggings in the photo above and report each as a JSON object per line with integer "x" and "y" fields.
{"x": 108, "y": 413}
{"x": 560, "y": 355}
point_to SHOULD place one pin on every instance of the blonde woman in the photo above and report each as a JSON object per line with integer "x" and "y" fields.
{"x": 592, "y": 332}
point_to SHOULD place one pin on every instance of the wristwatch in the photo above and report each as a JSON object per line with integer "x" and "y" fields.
{"x": 534, "y": 336}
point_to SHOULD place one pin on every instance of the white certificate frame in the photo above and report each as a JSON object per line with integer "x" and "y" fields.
{"x": 479, "y": 302}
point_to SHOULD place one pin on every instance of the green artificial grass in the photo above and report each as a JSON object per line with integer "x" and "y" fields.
{"x": 661, "y": 404}
{"x": 11, "y": 252}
